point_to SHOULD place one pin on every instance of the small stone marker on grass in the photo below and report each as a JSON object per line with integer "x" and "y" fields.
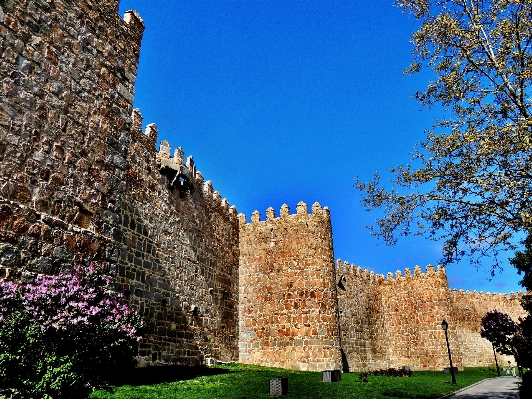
{"x": 331, "y": 376}
{"x": 447, "y": 370}
{"x": 278, "y": 386}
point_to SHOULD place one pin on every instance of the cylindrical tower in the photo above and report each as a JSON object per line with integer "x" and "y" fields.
{"x": 288, "y": 301}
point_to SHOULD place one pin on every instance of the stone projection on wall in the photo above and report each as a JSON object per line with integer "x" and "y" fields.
{"x": 288, "y": 306}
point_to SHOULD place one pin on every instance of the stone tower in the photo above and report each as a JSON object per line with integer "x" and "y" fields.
{"x": 68, "y": 70}
{"x": 288, "y": 313}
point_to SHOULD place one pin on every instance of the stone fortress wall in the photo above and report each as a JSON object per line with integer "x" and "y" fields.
{"x": 467, "y": 309}
{"x": 178, "y": 254}
{"x": 288, "y": 306}
{"x": 80, "y": 181}
{"x": 67, "y": 72}
{"x": 396, "y": 321}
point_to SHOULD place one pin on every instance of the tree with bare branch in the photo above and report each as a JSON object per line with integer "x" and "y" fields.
{"x": 470, "y": 182}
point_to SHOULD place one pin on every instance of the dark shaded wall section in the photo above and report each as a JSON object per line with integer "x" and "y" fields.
{"x": 178, "y": 255}
{"x": 81, "y": 182}
{"x": 363, "y": 331}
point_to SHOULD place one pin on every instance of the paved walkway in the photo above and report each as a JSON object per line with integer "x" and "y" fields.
{"x": 493, "y": 388}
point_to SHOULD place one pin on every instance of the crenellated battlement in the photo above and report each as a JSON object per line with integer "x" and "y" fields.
{"x": 347, "y": 270}
{"x": 301, "y": 210}
{"x": 351, "y": 270}
{"x": 148, "y": 138}
{"x": 134, "y": 23}
{"x": 431, "y": 273}
{"x": 488, "y": 295}
{"x": 183, "y": 175}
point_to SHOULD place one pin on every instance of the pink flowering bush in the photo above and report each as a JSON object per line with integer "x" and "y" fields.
{"x": 507, "y": 337}
{"x": 65, "y": 335}
{"x": 499, "y": 328}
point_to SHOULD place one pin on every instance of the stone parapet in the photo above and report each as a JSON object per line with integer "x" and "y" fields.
{"x": 288, "y": 313}
{"x": 405, "y": 311}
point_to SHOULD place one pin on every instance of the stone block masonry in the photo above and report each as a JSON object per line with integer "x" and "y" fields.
{"x": 468, "y": 308}
{"x": 288, "y": 313}
{"x": 81, "y": 181}
{"x": 178, "y": 255}
{"x": 396, "y": 322}
{"x": 67, "y": 72}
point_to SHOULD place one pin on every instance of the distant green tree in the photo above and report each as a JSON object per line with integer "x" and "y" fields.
{"x": 470, "y": 184}
{"x": 507, "y": 337}
{"x": 523, "y": 262}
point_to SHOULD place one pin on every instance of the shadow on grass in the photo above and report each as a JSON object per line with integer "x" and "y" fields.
{"x": 525, "y": 389}
{"x": 407, "y": 395}
{"x": 162, "y": 374}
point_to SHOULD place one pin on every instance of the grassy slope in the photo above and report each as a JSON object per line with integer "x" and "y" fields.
{"x": 239, "y": 381}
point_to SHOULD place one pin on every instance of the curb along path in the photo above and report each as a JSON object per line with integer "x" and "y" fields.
{"x": 492, "y": 388}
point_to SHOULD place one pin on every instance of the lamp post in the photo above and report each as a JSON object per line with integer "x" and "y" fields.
{"x": 445, "y": 326}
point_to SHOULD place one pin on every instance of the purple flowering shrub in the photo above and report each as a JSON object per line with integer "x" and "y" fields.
{"x": 499, "y": 328}
{"x": 507, "y": 336}
{"x": 65, "y": 335}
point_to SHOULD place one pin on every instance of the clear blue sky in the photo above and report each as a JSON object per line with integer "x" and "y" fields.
{"x": 286, "y": 101}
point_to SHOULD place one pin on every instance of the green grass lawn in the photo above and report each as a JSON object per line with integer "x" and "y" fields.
{"x": 239, "y": 381}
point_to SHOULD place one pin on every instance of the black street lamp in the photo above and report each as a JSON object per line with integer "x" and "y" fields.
{"x": 445, "y": 326}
